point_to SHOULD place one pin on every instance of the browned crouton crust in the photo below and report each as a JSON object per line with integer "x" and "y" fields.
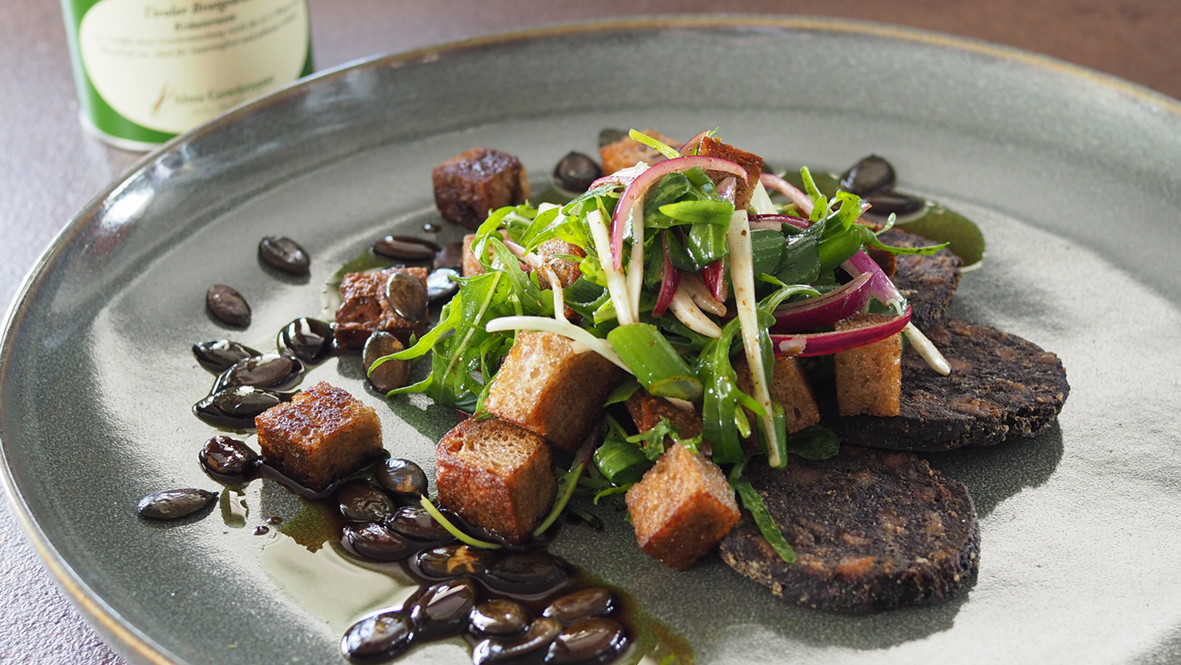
{"x": 471, "y": 266}
{"x": 496, "y": 476}
{"x": 869, "y": 378}
{"x": 752, "y": 163}
{"x": 475, "y": 182}
{"x": 364, "y": 309}
{"x": 322, "y": 435}
{"x": 562, "y": 258}
{"x": 647, "y": 409}
{"x": 681, "y": 508}
{"x": 547, "y": 388}
{"x": 790, "y": 388}
{"x": 627, "y": 151}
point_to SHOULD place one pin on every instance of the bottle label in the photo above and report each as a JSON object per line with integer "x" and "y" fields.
{"x": 170, "y": 65}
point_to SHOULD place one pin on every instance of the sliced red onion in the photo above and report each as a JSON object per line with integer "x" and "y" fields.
{"x": 880, "y": 286}
{"x": 840, "y": 303}
{"x": 695, "y": 141}
{"x": 727, "y": 188}
{"x": 825, "y": 343}
{"x": 633, "y": 196}
{"x": 669, "y": 280}
{"x": 714, "y": 276}
{"x": 802, "y": 200}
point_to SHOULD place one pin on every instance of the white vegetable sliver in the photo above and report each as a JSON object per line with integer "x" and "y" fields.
{"x": 688, "y": 313}
{"x": 616, "y": 283}
{"x": 581, "y": 338}
{"x": 700, "y": 294}
{"x": 635, "y": 267}
{"x": 926, "y": 349}
{"x": 760, "y": 201}
{"x": 559, "y": 294}
{"x": 742, "y": 279}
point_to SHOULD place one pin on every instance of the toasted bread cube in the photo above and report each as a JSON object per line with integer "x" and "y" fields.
{"x": 869, "y": 378}
{"x": 364, "y": 309}
{"x": 547, "y": 388}
{"x": 752, "y": 163}
{"x": 625, "y": 152}
{"x": 473, "y": 183}
{"x": 562, "y": 259}
{"x": 790, "y": 388}
{"x": 495, "y": 475}
{"x": 647, "y": 409}
{"x": 471, "y": 266}
{"x": 681, "y": 508}
{"x": 321, "y": 436}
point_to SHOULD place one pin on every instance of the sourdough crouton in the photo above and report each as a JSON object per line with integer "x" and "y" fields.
{"x": 647, "y": 409}
{"x": 752, "y": 163}
{"x": 322, "y": 435}
{"x": 471, "y": 265}
{"x": 475, "y": 182}
{"x": 869, "y": 378}
{"x": 547, "y": 388}
{"x": 681, "y": 508}
{"x": 495, "y": 475}
{"x": 562, "y": 258}
{"x": 364, "y": 309}
{"x": 790, "y": 388}
{"x": 625, "y": 152}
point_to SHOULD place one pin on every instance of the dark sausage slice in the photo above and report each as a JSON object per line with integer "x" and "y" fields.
{"x": 872, "y": 531}
{"x": 1001, "y": 387}
{"x": 929, "y": 282}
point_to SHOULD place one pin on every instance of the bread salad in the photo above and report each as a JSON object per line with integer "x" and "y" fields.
{"x": 749, "y": 360}
{"x": 660, "y": 328}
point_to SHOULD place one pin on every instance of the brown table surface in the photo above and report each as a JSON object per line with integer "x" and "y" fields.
{"x": 50, "y": 168}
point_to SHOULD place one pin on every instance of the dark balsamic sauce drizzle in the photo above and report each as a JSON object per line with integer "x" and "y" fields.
{"x": 461, "y": 589}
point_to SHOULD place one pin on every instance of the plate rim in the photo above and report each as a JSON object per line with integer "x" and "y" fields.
{"x": 136, "y": 646}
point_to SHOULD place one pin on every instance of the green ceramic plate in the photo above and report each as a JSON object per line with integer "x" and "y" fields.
{"x": 1073, "y": 177}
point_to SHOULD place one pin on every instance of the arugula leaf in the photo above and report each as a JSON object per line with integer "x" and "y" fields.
{"x": 705, "y": 211}
{"x": 762, "y": 518}
{"x": 721, "y": 397}
{"x": 814, "y": 443}
{"x": 800, "y": 263}
{"x": 463, "y": 351}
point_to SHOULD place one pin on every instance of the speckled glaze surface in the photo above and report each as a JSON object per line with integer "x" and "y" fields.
{"x": 1073, "y": 177}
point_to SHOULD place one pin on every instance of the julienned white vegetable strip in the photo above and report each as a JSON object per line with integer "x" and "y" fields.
{"x": 616, "y": 283}
{"x": 559, "y": 295}
{"x": 701, "y": 296}
{"x": 760, "y": 201}
{"x": 926, "y": 349}
{"x": 742, "y": 279}
{"x": 688, "y": 313}
{"x": 635, "y": 267}
{"x": 563, "y": 328}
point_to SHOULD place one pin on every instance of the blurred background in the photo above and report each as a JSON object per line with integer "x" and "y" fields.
{"x": 50, "y": 167}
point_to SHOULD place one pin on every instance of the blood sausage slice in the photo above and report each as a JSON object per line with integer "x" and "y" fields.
{"x": 1001, "y": 387}
{"x": 929, "y": 281}
{"x": 872, "y": 530}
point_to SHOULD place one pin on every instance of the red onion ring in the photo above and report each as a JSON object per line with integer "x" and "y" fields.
{"x": 802, "y": 200}
{"x": 670, "y": 279}
{"x": 840, "y": 303}
{"x": 825, "y": 343}
{"x": 635, "y": 192}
